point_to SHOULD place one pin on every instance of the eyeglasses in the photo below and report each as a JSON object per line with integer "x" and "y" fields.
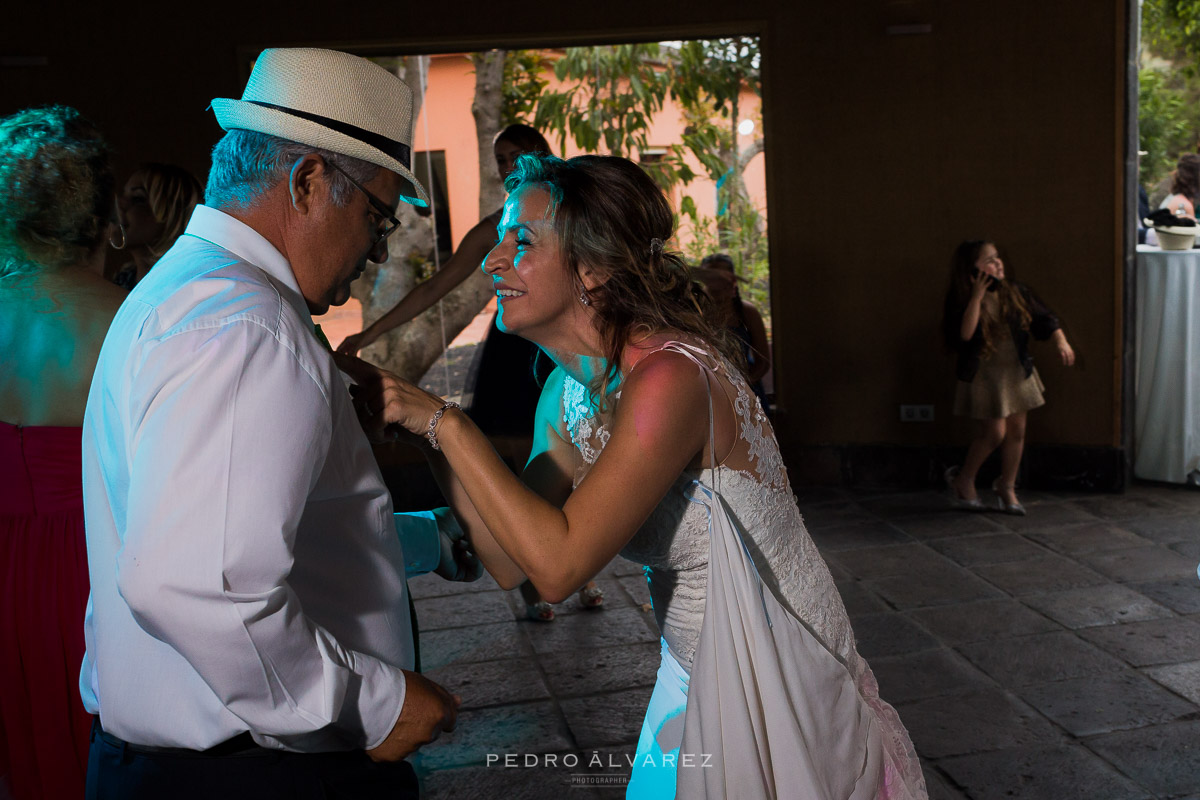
{"x": 378, "y": 205}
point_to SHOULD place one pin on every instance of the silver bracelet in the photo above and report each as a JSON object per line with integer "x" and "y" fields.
{"x": 431, "y": 434}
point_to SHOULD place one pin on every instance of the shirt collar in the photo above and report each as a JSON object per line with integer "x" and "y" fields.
{"x": 249, "y": 245}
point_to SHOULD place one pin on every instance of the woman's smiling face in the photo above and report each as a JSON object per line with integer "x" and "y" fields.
{"x": 535, "y": 294}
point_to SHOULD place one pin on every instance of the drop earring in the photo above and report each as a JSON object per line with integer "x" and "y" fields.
{"x": 583, "y": 298}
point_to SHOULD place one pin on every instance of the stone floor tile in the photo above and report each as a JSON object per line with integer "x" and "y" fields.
{"x": 1039, "y": 658}
{"x": 1087, "y": 538}
{"x": 1141, "y": 564}
{"x": 433, "y": 585}
{"x": 571, "y": 673}
{"x": 1127, "y": 506}
{"x": 1166, "y": 529}
{"x": 1189, "y": 550}
{"x": 881, "y": 562}
{"x": 473, "y": 644}
{"x": 606, "y": 628}
{"x": 1047, "y": 516}
{"x": 834, "y": 515}
{"x": 525, "y": 728}
{"x": 989, "y": 719}
{"x": 1105, "y": 703}
{"x": 1107, "y": 604}
{"x": 848, "y": 537}
{"x": 637, "y": 589}
{"x": 1145, "y": 644}
{"x": 492, "y": 683}
{"x": 1048, "y": 573}
{"x": 1183, "y": 679}
{"x": 459, "y": 611}
{"x": 946, "y": 583}
{"x": 929, "y": 673}
{"x": 1163, "y": 758}
{"x": 939, "y": 787}
{"x": 889, "y": 635}
{"x": 1040, "y": 773}
{"x": 1180, "y": 595}
{"x": 858, "y": 599}
{"x": 619, "y": 723}
{"x": 988, "y": 548}
{"x": 947, "y": 523}
{"x": 988, "y": 619}
{"x": 821, "y": 495}
{"x": 903, "y": 504}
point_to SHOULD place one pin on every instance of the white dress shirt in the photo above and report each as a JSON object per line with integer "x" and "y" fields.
{"x": 245, "y": 565}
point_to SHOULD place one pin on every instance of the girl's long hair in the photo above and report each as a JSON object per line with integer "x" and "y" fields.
{"x": 993, "y": 319}
{"x": 610, "y": 216}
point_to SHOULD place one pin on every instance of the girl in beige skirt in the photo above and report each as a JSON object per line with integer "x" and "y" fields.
{"x": 988, "y": 322}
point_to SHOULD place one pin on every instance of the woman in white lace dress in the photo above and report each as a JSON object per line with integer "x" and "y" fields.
{"x": 644, "y": 397}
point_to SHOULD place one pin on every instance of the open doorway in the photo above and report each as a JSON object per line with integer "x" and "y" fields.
{"x": 689, "y": 112}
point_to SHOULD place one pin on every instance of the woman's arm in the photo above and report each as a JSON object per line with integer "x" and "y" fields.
{"x": 660, "y": 426}
{"x": 549, "y": 472}
{"x": 758, "y": 343}
{"x": 466, "y": 259}
{"x": 970, "y": 320}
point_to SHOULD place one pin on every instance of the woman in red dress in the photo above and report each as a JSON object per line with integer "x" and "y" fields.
{"x": 56, "y": 212}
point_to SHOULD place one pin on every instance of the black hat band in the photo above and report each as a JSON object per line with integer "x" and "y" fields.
{"x": 397, "y": 150}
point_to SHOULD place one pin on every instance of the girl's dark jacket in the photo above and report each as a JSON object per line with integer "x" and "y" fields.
{"x": 1042, "y": 325}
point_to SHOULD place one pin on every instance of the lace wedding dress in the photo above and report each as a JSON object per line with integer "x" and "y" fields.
{"x": 673, "y": 545}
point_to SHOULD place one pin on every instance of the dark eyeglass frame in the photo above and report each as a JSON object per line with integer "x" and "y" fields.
{"x": 378, "y": 205}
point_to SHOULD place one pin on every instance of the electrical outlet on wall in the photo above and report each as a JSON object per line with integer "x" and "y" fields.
{"x": 916, "y": 413}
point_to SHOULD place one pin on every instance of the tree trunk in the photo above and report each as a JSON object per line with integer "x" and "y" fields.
{"x": 489, "y": 100}
{"x": 411, "y": 349}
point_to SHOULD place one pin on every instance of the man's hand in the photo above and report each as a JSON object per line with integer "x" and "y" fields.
{"x": 428, "y": 710}
{"x": 457, "y": 562}
{"x": 353, "y": 343}
{"x": 385, "y": 401}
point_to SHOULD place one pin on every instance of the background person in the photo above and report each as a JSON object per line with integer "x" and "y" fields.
{"x": 730, "y": 312}
{"x": 1185, "y": 187}
{"x": 56, "y": 210}
{"x": 987, "y": 321}
{"x": 154, "y": 209}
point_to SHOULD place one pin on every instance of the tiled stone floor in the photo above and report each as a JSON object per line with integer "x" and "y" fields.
{"x": 1053, "y": 656}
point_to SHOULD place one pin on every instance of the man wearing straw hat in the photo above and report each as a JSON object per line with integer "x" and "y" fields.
{"x": 248, "y": 632}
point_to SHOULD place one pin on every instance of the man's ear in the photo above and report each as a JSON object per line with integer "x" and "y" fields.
{"x": 306, "y": 181}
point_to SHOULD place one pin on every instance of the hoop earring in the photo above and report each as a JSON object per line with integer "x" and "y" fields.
{"x": 113, "y": 244}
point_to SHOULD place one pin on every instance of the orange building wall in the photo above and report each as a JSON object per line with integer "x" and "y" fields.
{"x": 445, "y": 123}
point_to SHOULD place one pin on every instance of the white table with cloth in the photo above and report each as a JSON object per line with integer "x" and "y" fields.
{"x": 1167, "y": 350}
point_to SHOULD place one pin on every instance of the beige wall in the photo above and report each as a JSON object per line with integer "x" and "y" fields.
{"x": 1004, "y": 121}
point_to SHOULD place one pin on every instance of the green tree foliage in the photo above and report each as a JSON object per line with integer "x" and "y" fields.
{"x": 1165, "y": 126}
{"x": 523, "y": 84}
{"x": 1172, "y": 28}
{"x": 608, "y": 99}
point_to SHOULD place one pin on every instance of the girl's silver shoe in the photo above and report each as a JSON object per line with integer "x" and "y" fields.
{"x": 1015, "y": 509}
{"x": 961, "y": 503}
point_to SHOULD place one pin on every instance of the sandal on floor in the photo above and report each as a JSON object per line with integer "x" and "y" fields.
{"x": 591, "y": 597}
{"x": 1015, "y": 509}
{"x": 956, "y": 500}
{"x": 541, "y": 611}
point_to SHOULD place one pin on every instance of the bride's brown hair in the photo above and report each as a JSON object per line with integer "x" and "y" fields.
{"x": 611, "y": 218}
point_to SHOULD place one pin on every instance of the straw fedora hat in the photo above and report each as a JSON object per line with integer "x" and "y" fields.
{"x": 330, "y": 100}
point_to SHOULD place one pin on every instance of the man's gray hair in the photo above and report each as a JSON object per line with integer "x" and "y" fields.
{"x": 247, "y": 164}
